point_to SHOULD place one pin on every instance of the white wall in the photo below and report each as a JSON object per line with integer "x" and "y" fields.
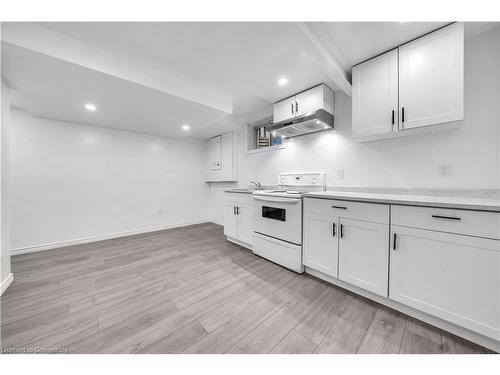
{"x": 5, "y": 273}
{"x": 472, "y": 150}
{"x": 72, "y": 182}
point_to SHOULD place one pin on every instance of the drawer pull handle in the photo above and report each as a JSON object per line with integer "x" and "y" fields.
{"x": 340, "y": 207}
{"x": 446, "y": 217}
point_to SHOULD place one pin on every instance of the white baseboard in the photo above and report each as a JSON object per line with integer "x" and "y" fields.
{"x": 420, "y": 315}
{"x": 238, "y": 242}
{"x": 6, "y": 283}
{"x": 55, "y": 245}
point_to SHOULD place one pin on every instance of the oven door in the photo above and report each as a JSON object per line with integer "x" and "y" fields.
{"x": 278, "y": 217}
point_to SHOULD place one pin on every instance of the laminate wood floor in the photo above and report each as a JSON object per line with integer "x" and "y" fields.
{"x": 188, "y": 290}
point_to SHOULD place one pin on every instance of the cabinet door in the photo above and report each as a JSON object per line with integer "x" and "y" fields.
{"x": 309, "y": 101}
{"x": 431, "y": 78}
{"x": 320, "y": 245}
{"x": 245, "y": 222}
{"x": 375, "y": 95}
{"x": 451, "y": 276}
{"x": 230, "y": 219}
{"x": 364, "y": 255}
{"x": 284, "y": 110}
{"x": 214, "y": 153}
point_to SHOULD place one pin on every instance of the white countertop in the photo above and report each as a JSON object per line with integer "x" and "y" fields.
{"x": 469, "y": 203}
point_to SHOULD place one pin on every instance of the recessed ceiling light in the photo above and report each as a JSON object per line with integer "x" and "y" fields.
{"x": 282, "y": 81}
{"x": 185, "y": 127}
{"x": 90, "y": 107}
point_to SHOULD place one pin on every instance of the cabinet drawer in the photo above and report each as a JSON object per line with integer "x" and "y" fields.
{"x": 377, "y": 213}
{"x": 472, "y": 223}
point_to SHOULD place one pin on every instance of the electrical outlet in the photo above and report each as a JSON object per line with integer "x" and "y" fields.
{"x": 444, "y": 170}
{"x": 340, "y": 173}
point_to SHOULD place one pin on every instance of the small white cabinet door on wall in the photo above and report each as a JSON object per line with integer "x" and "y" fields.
{"x": 375, "y": 95}
{"x": 284, "y": 109}
{"x": 364, "y": 255}
{"x": 320, "y": 249}
{"x": 214, "y": 153}
{"x": 245, "y": 222}
{"x": 451, "y": 276}
{"x": 309, "y": 101}
{"x": 230, "y": 219}
{"x": 431, "y": 78}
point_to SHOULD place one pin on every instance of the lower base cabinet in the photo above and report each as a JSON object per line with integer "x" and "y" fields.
{"x": 364, "y": 255}
{"x": 348, "y": 240}
{"x": 450, "y": 276}
{"x": 443, "y": 262}
{"x": 320, "y": 245}
{"x": 238, "y": 217}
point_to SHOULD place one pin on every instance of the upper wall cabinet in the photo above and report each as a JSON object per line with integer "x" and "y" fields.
{"x": 431, "y": 78}
{"x": 421, "y": 83}
{"x": 375, "y": 95}
{"x": 319, "y": 97}
{"x": 221, "y": 158}
{"x": 214, "y": 153}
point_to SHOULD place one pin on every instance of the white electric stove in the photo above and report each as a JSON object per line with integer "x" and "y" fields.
{"x": 278, "y": 218}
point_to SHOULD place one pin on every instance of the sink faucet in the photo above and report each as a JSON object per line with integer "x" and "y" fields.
{"x": 257, "y": 184}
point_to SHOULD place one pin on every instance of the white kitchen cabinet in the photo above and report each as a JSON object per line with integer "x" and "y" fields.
{"x": 230, "y": 219}
{"x": 431, "y": 78}
{"x": 221, "y": 156}
{"x": 238, "y": 218}
{"x": 421, "y": 81}
{"x": 244, "y": 213}
{"x": 451, "y": 276}
{"x": 309, "y": 101}
{"x": 364, "y": 255}
{"x": 321, "y": 246}
{"x": 214, "y": 153}
{"x": 375, "y": 95}
{"x": 357, "y": 252}
{"x": 284, "y": 109}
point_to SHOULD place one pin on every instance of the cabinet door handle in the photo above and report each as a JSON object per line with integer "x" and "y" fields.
{"x": 394, "y": 242}
{"x": 446, "y": 217}
{"x": 393, "y": 117}
{"x": 340, "y": 207}
{"x": 291, "y": 104}
{"x": 237, "y": 210}
{"x": 234, "y": 210}
{"x": 403, "y": 114}
{"x": 296, "y": 108}
{"x": 341, "y": 231}
{"x": 334, "y": 227}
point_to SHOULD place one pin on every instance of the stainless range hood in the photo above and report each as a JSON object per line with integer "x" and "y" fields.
{"x": 309, "y": 123}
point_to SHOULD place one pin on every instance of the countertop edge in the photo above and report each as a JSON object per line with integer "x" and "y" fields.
{"x": 238, "y": 192}
{"x": 408, "y": 202}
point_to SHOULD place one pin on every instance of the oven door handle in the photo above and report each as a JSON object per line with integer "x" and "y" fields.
{"x": 277, "y": 199}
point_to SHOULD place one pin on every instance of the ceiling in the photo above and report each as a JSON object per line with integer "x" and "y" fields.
{"x": 238, "y": 61}
{"x": 52, "y": 88}
{"x": 359, "y": 41}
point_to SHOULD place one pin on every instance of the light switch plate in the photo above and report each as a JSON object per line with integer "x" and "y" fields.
{"x": 340, "y": 173}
